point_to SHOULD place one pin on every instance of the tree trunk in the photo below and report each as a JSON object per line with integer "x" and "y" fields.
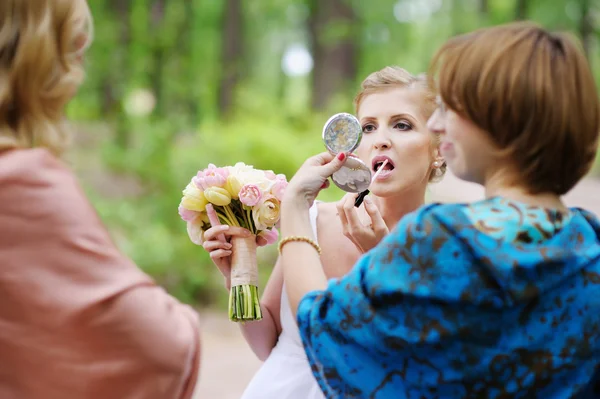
{"x": 158, "y": 55}
{"x": 113, "y": 76}
{"x": 521, "y": 9}
{"x": 231, "y": 54}
{"x": 484, "y": 12}
{"x": 484, "y": 7}
{"x": 116, "y": 79}
{"x": 282, "y": 81}
{"x": 332, "y": 27}
{"x": 586, "y": 26}
{"x": 190, "y": 102}
{"x": 457, "y": 16}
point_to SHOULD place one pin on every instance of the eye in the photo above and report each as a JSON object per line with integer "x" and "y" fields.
{"x": 403, "y": 125}
{"x": 441, "y": 105}
{"x": 368, "y": 128}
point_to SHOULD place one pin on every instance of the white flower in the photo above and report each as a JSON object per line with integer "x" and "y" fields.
{"x": 246, "y": 174}
{"x": 266, "y": 213}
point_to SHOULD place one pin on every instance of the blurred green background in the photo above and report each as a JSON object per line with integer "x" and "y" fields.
{"x": 176, "y": 84}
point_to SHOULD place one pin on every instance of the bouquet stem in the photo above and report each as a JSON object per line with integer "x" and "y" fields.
{"x": 244, "y": 303}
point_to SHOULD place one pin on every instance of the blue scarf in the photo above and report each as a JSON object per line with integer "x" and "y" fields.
{"x": 495, "y": 299}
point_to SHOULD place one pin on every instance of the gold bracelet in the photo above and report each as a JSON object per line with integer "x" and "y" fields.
{"x": 299, "y": 239}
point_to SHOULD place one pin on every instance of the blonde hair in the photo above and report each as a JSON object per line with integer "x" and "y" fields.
{"x": 41, "y": 45}
{"x": 392, "y": 77}
{"x": 533, "y": 92}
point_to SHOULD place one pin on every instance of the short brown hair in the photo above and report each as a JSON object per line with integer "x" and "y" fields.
{"x": 533, "y": 92}
{"x": 392, "y": 77}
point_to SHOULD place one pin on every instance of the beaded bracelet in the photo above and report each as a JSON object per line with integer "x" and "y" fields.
{"x": 300, "y": 239}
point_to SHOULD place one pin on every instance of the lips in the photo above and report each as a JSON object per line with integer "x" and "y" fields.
{"x": 445, "y": 147}
{"x": 379, "y": 160}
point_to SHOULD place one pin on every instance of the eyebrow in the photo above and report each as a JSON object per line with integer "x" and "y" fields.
{"x": 410, "y": 117}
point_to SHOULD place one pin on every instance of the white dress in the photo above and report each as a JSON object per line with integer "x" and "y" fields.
{"x": 286, "y": 373}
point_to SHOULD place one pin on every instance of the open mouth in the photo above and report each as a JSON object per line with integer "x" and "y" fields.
{"x": 378, "y": 161}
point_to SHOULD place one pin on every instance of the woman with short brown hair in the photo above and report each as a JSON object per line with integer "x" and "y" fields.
{"x": 533, "y": 94}
{"x": 499, "y": 298}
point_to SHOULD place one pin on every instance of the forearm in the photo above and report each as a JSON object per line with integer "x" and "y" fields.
{"x": 302, "y": 268}
{"x": 261, "y": 335}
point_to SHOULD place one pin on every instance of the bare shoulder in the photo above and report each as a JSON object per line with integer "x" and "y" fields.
{"x": 327, "y": 210}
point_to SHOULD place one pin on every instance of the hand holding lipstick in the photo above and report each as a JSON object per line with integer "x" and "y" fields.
{"x": 363, "y": 235}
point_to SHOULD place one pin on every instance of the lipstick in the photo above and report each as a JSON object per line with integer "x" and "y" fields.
{"x": 361, "y": 196}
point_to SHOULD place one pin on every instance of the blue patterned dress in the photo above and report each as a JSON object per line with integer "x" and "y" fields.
{"x": 495, "y": 299}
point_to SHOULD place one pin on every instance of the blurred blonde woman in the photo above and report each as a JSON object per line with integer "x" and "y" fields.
{"x": 77, "y": 318}
{"x": 393, "y": 107}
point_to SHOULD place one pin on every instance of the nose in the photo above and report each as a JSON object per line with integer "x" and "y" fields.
{"x": 435, "y": 123}
{"x": 381, "y": 140}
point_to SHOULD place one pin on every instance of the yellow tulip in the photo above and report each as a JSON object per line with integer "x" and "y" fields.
{"x": 193, "y": 199}
{"x": 233, "y": 186}
{"x": 217, "y": 196}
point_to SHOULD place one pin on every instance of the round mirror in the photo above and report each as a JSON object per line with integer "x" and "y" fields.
{"x": 342, "y": 133}
{"x": 353, "y": 177}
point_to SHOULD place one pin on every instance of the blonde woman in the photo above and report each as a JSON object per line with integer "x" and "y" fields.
{"x": 77, "y": 318}
{"x": 393, "y": 107}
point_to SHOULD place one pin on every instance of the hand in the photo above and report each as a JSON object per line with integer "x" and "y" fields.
{"x": 220, "y": 249}
{"x": 364, "y": 237}
{"x": 312, "y": 178}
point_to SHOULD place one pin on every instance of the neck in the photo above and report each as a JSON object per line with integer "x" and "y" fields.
{"x": 497, "y": 185}
{"x": 392, "y": 209}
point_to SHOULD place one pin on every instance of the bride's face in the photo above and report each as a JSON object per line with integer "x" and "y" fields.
{"x": 395, "y": 129}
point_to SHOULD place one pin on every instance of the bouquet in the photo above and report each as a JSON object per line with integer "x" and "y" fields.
{"x": 242, "y": 196}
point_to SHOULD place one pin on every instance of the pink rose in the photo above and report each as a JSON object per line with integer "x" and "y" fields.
{"x": 267, "y": 237}
{"x": 211, "y": 177}
{"x": 250, "y": 194}
{"x": 269, "y": 174}
{"x": 187, "y": 214}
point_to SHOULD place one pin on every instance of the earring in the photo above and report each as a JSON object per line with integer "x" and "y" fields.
{"x": 436, "y": 164}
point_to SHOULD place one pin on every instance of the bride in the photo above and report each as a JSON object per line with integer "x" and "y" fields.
{"x": 393, "y": 108}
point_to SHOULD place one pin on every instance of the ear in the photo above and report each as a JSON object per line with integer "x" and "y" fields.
{"x": 438, "y": 167}
{"x": 438, "y": 160}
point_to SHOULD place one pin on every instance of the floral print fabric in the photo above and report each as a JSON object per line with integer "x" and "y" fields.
{"x": 494, "y": 299}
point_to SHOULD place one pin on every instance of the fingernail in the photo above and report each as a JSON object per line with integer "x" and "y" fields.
{"x": 367, "y": 200}
{"x": 341, "y": 156}
{"x": 228, "y": 245}
{"x": 224, "y": 227}
{"x": 247, "y": 233}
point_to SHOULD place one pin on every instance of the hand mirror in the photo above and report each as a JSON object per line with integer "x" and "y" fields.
{"x": 342, "y": 133}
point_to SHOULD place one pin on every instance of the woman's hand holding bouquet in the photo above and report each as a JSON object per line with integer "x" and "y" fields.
{"x": 230, "y": 211}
